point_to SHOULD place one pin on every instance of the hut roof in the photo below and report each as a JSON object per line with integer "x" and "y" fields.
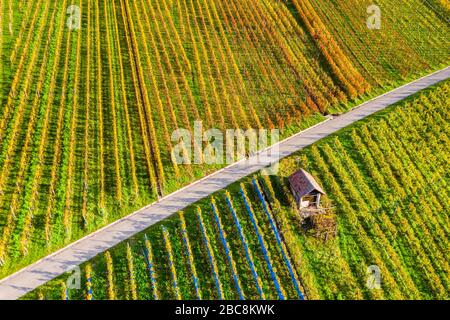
{"x": 303, "y": 183}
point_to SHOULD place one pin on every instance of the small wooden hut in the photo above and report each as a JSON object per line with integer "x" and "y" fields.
{"x": 306, "y": 190}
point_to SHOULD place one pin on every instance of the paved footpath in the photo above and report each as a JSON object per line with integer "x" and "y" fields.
{"x": 31, "y": 277}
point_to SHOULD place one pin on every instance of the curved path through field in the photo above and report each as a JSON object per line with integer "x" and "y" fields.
{"x": 31, "y": 277}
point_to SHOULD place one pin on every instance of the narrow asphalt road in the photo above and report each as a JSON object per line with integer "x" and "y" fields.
{"x": 46, "y": 269}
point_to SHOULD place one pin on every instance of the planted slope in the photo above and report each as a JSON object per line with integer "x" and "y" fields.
{"x": 412, "y": 36}
{"x": 387, "y": 181}
{"x": 87, "y": 115}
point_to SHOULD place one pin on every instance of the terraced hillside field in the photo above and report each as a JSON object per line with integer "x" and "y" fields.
{"x": 87, "y": 114}
{"x": 387, "y": 180}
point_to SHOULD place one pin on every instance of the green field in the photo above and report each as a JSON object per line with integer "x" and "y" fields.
{"x": 387, "y": 182}
{"x": 87, "y": 114}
